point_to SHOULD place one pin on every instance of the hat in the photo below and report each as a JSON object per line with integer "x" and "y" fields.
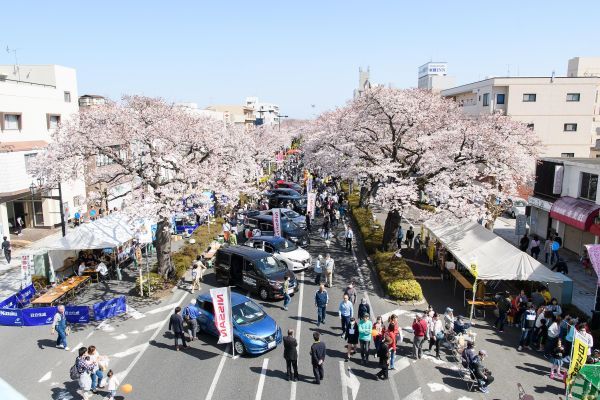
{"x": 419, "y": 315}
{"x": 320, "y": 256}
{"x": 193, "y": 301}
{"x": 482, "y": 353}
{"x": 448, "y": 309}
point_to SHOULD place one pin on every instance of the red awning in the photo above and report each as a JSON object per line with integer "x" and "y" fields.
{"x": 575, "y": 212}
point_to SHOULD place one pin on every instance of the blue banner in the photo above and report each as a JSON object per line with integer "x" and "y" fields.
{"x": 38, "y": 316}
{"x": 77, "y": 314}
{"x": 25, "y": 295}
{"x": 110, "y": 308}
{"x": 11, "y": 302}
{"x": 11, "y": 317}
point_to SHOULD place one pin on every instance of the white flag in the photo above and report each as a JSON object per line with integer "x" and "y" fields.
{"x": 277, "y": 222}
{"x": 221, "y": 298}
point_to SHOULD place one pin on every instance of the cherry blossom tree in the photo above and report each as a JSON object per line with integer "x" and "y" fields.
{"x": 417, "y": 152}
{"x": 160, "y": 156}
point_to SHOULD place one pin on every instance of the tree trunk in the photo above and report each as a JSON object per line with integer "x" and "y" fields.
{"x": 163, "y": 247}
{"x": 390, "y": 231}
{"x": 364, "y": 196}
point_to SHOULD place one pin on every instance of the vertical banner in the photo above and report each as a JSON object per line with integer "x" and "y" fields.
{"x": 311, "y": 204}
{"x": 559, "y": 171}
{"x": 26, "y": 263}
{"x": 578, "y": 357}
{"x": 309, "y": 185}
{"x": 277, "y": 222}
{"x": 221, "y": 298}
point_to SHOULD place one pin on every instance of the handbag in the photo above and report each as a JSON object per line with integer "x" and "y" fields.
{"x": 439, "y": 335}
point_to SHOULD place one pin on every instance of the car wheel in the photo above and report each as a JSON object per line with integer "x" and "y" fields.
{"x": 263, "y": 292}
{"x": 240, "y": 350}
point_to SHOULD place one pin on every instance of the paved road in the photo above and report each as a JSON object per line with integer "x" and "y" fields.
{"x": 142, "y": 352}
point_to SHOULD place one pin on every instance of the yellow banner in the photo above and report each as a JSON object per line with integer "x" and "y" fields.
{"x": 578, "y": 358}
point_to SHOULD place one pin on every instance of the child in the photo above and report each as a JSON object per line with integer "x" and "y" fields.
{"x": 556, "y": 357}
{"x": 113, "y": 385}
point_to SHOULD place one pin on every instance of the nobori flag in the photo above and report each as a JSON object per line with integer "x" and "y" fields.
{"x": 277, "y": 222}
{"x": 221, "y": 298}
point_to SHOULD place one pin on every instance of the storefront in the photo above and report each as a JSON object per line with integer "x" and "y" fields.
{"x": 539, "y": 220}
{"x": 572, "y": 219}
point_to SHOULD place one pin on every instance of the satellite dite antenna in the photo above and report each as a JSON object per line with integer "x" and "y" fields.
{"x": 16, "y": 68}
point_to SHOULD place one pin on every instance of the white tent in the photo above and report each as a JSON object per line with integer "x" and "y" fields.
{"x": 104, "y": 233}
{"x": 496, "y": 259}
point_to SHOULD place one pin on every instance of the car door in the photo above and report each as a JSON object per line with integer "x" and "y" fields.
{"x": 251, "y": 276}
{"x": 222, "y": 268}
{"x": 206, "y": 318}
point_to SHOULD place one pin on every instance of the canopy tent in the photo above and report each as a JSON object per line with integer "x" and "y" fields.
{"x": 496, "y": 259}
{"x": 104, "y": 233}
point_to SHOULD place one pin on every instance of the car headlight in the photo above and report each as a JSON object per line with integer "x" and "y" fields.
{"x": 253, "y": 337}
{"x": 293, "y": 238}
{"x": 275, "y": 284}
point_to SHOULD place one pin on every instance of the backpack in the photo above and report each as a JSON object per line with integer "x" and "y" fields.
{"x": 74, "y": 372}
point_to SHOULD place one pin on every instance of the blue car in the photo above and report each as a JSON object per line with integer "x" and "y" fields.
{"x": 254, "y": 332}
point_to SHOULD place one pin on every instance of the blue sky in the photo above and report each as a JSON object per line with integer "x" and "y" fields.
{"x": 294, "y": 53}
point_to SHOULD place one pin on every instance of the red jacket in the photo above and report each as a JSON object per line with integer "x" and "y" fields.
{"x": 420, "y": 327}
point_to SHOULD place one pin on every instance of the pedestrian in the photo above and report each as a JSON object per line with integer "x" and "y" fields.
{"x": 97, "y": 375}
{"x": 286, "y": 295}
{"x": 437, "y": 335}
{"x": 195, "y": 276}
{"x": 552, "y": 335}
{"x": 365, "y": 328}
{"x": 321, "y": 301}
{"x": 400, "y": 237}
{"x": 351, "y": 335}
{"x": 176, "y": 326}
{"x": 308, "y": 221}
{"x": 317, "y": 357}
{"x": 201, "y": 268}
{"x": 384, "y": 358}
{"x": 351, "y": 292}
{"x": 226, "y": 230}
{"x": 233, "y": 237}
{"x": 555, "y": 246}
{"x": 483, "y": 375}
{"x": 112, "y": 385}
{"x": 7, "y": 249}
{"x": 524, "y": 243}
{"x": 326, "y": 227}
{"x": 290, "y": 354}
{"x": 329, "y": 266}
{"x": 547, "y": 250}
{"x": 20, "y": 226}
{"x": 378, "y": 332}
{"x": 419, "y": 327}
{"x": 556, "y": 358}
{"x": 84, "y": 370}
{"x": 346, "y": 311}
{"x": 527, "y": 324}
{"x": 535, "y": 247}
{"x": 363, "y": 308}
{"x": 410, "y": 234}
{"x": 319, "y": 269}
{"x": 60, "y": 327}
{"x": 349, "y": 236}
{"x": 504, "y": 305}
{"x": 554, "y": 307}
{"x": 190, "y": 316}
{"x": 537, "y": 298}
{"x": 449, "y": 319}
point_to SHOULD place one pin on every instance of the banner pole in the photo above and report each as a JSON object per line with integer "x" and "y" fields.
{"x": 473, "y": 304}
{"x": 231, "y": 314}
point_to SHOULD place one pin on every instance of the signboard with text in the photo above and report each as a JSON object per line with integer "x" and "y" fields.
{"x": 221, "y": 298}
{"x": 26, "y": 270}
{"x": 311, "y": 204}
{"x": 521, "y": 225}
{"x": 277, "y": 222}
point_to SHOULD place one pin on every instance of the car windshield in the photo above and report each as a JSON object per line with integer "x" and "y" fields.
{"x": 269, "y": 265}
{"x": 520, "y": 203}
{"x": 285, "y": 246}
{"x": 247, "y": 313}
{"x": 288, "y": 225}
{"x": 291, "y": 214}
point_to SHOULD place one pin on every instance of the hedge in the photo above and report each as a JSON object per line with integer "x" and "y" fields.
{"x": 394, "y": 273}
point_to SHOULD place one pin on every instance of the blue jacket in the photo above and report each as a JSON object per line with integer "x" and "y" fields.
{"x": 191, "y": 311}
{"x": 321, "y": 298}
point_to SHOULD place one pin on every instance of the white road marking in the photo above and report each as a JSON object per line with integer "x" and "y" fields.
{"x": 261, "y": 381}
{"x": 104, "y": 326}
{"x": 298, "y": 325}
{"x": 416, "y": 395}
{"x": 353, "y": 383}
{"x": 399, "y": 364}
{"x": 135, "y": 314}
{"x": 152, "y": 326}
{"x": 344, "y": 383}
{"x": 122, "y": 375}
{"x": 122, "y": 336}
{"x": 46, "y": 377}
{"x": 163, "y": 308}
{"x": 76, "y": 347}
{"x": 131, "y": 350}
{"x": 438, "y": 387}
{"x": 213, "y": 385}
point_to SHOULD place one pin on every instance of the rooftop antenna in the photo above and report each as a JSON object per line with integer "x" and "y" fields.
{"x": 552, "y": 79}
{"x": 16, "y": 68}
{"x": 508, "y": 70}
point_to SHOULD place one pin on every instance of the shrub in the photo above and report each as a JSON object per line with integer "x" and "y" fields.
{"x": 182, "y": 263}
{"x": 156, "y": 282}
{"x": 405, "y": 289}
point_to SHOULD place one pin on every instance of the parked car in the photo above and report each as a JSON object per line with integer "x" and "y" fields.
{"x": 289, "y": 230}
{"x": 289, "y": 185}
{"x": 253, "y": 270}
{"x": 282, "y": 192}
{"x": 281, "y": 201}
{"x": 518, "y": 207}
{"x": 291, "y": 215}
{"x": 293, "y": 257}
{"x": 254, "y": 331}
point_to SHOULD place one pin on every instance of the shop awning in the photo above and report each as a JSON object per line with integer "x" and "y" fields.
{"x": 575, "y": 212}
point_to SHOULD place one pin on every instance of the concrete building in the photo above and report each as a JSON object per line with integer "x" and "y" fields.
{"x": 235, "y": 114}
{"x": 88, "y": 100}
{"x": 34, "y": 100}
{"x": 265, "y": 113}
{"x": 434, "y": 76}
{"x": 193, "y": 107}
{"x": 563, "y": 111}
{"x": 566, "y": 201}
{"x": 364, "y": 81}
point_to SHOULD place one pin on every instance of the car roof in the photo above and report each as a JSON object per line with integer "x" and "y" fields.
{"x": 264, "y": 217}
{"x": 236, "y": 298}
{"x": 269, "y": 239}
{"x": 249, "y": 252}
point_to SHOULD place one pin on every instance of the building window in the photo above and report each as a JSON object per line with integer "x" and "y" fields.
{"x": 486, "y": 99}
{"x": 28, "y": 160}
{"x": 67, "y": 97}
{"x": 531, "y": 126}
{"x": 570, "y": 127}
{"x": 573, "y": 96}
{"x": 570, "y": 155}
{"x": 589, "y": 185}
{"x": 11, "y": 122}
{"x": 529, "y": 97}
{"x": 53, "y": 121}
{"x": 500, "y": 98}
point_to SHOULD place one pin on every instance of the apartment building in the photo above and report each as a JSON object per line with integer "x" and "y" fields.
{"x": 563, "y": 111}
{"x": 235, "y": 114}
{"x": 34, "y": 100}
{"x": 265, "y": 113}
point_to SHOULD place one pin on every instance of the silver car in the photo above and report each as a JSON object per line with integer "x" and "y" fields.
{"x": 291, "y": 215}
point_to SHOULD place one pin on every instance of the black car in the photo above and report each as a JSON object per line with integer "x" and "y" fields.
{"x": 282, "y": 192}
{"x": 289, "y": 230}
{"x": 280, "y": 201}
{"x": 253, "y": 270}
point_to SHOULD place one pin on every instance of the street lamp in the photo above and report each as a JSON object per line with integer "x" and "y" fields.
{"x": 33, "y": 188}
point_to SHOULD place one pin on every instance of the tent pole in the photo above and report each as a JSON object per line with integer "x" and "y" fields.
{"x": 473, "y": 304}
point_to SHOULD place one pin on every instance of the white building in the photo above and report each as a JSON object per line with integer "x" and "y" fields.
{"x": 193, "y": 107}
{"x": 434, "y": 76}
{"x": 563, "y": 111}
{"x": 34, "y": 99}
{"x": 265, "y": 113}
{"x": 364, "y": 81}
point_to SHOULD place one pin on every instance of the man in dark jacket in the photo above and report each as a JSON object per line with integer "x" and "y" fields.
{"x": 308, "y": 221}
{"x": 384, "y": 358}
{"x": 527, "y": 324}
{"x": 176, "y": 325}
{"x": 290, "y": 354}
{"x": 483, "y": 375}
{"x": 321, "y": 301}
{"x": 504, "y": 305}
{"x": 410, "y": 234}
{"x": 317, "y": 357}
